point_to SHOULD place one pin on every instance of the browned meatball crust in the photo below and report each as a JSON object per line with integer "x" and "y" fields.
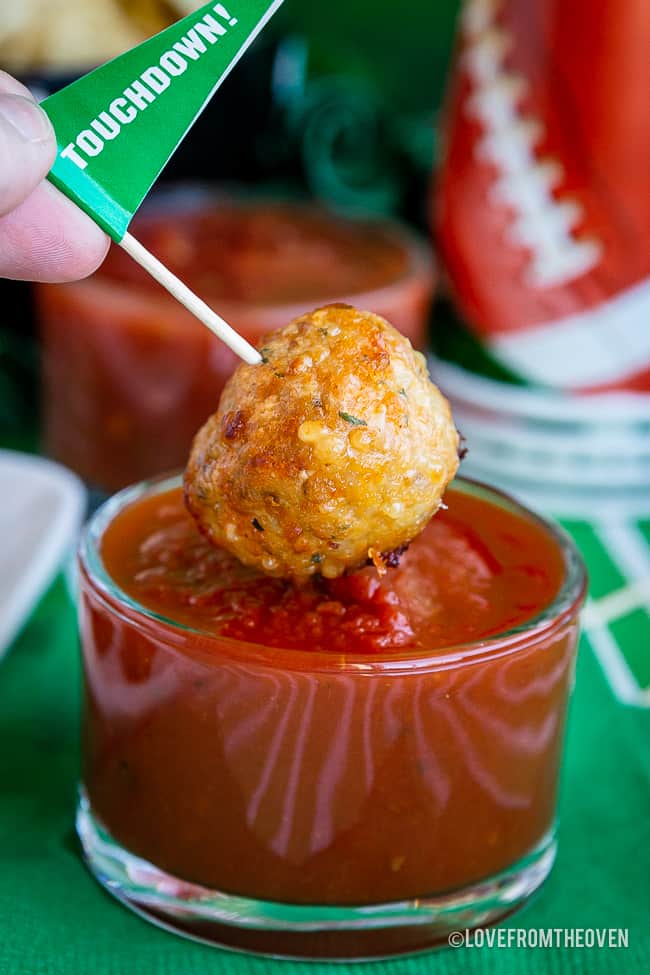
{"x": 336, "y": 449}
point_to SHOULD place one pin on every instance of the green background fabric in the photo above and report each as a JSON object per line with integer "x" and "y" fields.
{"x": 403, "y": 50}
{"x": 57, "y": 920}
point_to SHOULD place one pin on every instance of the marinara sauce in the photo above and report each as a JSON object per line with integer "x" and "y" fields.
{"x": 355, "y": 741}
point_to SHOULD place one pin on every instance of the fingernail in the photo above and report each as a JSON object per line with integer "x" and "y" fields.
{"x": 26, "y": 117}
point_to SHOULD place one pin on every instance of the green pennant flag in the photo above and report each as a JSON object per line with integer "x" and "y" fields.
{"x": 117, "y": 126}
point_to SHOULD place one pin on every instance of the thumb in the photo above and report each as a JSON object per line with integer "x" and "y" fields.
{"x": 27, "y": 148}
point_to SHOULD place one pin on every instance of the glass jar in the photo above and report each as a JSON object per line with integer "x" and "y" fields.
{"x": 310, "y": 804}
{"x": 129, "y": 375}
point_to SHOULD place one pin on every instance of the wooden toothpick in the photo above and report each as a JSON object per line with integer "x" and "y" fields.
{"x": 192, "y": 302}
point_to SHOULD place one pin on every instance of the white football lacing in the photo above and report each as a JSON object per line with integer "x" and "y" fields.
{"x": 541, "y": 223}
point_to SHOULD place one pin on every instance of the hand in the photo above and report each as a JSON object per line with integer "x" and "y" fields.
{"x": 43, "y": 235}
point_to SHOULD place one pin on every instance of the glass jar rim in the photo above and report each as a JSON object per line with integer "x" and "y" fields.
{"x": 552, "y": 617}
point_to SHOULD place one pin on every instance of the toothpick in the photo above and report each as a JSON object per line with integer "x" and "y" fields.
{"x": 192, "y": 302}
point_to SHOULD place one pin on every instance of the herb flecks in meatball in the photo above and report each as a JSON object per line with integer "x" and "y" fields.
{"x": 336, "y": 448}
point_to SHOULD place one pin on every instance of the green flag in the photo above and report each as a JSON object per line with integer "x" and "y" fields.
{"x": 117, "y": 126}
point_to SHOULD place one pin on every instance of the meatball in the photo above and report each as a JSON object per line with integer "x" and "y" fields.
{"x": 336, "y": 450}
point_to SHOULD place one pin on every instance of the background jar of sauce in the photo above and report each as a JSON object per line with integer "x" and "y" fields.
{"x": 129, "y": 375}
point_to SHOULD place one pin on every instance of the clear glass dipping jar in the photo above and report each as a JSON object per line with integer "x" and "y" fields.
{"x": 303, "y": 803}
